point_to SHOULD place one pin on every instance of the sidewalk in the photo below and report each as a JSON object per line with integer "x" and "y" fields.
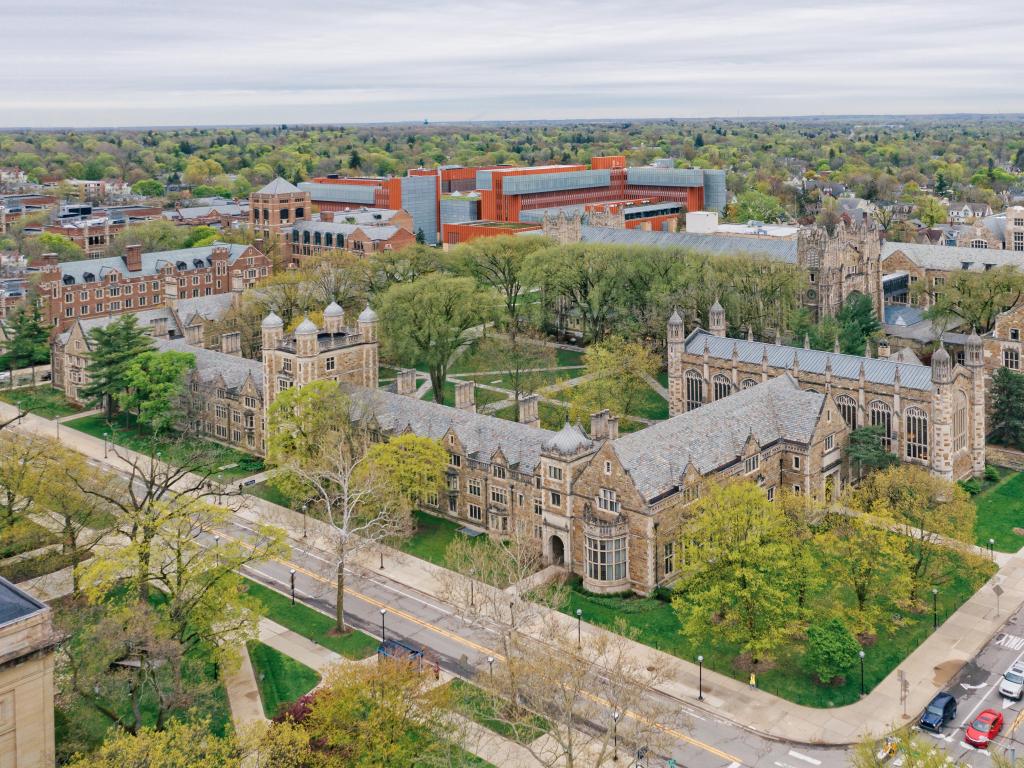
{"x": 244, "y": 694}
{"x": 927, "y": 669}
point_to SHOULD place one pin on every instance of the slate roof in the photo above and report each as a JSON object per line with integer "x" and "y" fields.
{"x": 951, "y": 257}
{"x": 151, "y": 262}
{"x": 16, "y": 604}
{"x": 479, "y": 434}
{"x": 200, "y": 212}
{"x": 776, "y": 249}
{"x": 372, "y": 216}
{"x": 208, "y": 307}
{"x": 876, "y": 371}
{"x": 278, "y": 186}
{"x": 372, "y": 231}
{"x": 210, "y": 364}
{"x": 714, "y": 435}
{"x": 569, "y": 440}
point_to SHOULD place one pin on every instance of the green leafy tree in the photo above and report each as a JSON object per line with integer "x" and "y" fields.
{"x": 973, "y": 299}
{"x": 737, "y": 579}
{"x": 931, "y": 211}
{"x": 153, "y": 236}
{"x": 113, "y": 349}
{"x": 753, "y": 205}
{"x": 858, "y": 324}
{"x": 148, "y": 188}
{"x": 49, "y": 242}
{"x": 201, "y": 235}
{"x": 426, "y": 321}
{"x": 1008, "y": 407}
{"x": 156, "y": 382}
{"x": 831, "y": 650}
{"x": 618, "y": 373}
{"x": 866, "y": 448}
{"x": 28, "y": 339}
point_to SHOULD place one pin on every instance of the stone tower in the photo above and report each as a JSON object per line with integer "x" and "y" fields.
{"x": 563, "y": 228}
{"x": 279, "y": 204}
{"x": 676, "y": 346}
{"x": 716, "y": 319}
{"x": 941, "y": 438}
{"x": 974, "y": 360}
{"x": 840, "y": 264}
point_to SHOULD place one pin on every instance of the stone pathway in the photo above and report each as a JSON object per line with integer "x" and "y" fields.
{"x": 244, "y": 694}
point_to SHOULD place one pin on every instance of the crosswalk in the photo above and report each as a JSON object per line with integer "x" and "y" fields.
{"x": 1013, "y": 642}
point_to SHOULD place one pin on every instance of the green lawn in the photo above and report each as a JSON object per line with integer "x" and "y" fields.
{"x": 569, "y": 356}
{"x": 540, "y": 379}
{"x": 481, "y": 396}
{"x": 24, "y": 536}
{"x": 1000, "y": 510}
{"x": 656, "y": 625}
{"x": 311, "y": 624}
{"x": 269, "y": 492}
{"x": 43, "y": 401}
{"x": 662, "y": 378}
{"x": 431, "y": 539}
{"x": 230, "y": 463}
{"x": 281, "y": 679}
{"x": 495, "y": 714}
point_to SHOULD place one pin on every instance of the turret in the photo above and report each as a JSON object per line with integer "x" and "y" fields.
{"x": 334, "y": 318}
{"x": 368, "y": 324}
{"x": 272, "y": 329}
{"x": 716, "y": 319}
{"x": 974, "y": 356}
{"x": 676, "y": 327}
{"x": 306, "y": 339}
{"x": 942, "y": 368}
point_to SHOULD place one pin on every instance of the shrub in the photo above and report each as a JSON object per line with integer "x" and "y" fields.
{"x": 972, "y": 486}
{"x": 831, "y": 650}
{"x": 992, "y": 474}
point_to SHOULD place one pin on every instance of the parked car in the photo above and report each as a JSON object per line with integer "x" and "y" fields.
{"x": 940, "y": 711}
{"x": 1012, "y": 684}
{"x": 985, "y": 728}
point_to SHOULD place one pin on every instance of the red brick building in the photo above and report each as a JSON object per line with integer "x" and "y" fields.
{"x": 140, "y": 281}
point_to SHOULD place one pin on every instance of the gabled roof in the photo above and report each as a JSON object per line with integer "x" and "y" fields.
{"x": 151, "y": 262}
{"x": 950, "y": 257}
{"x": 775, "y": 248}
{"x": 876, "y": 371}
{"x": 480, "y": 435}
{"x": 211, "y": 364}
{"x": 716, "y": 434}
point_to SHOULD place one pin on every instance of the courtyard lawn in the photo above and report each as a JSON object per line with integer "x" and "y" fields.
{"x": 540, "y": 378}
{"x": 431, "y": 539}
{"x": 493, "y": 714}
{"x": 281, "y": 679}
{"x": 230, "y": 463}
{"x": 269, "y": 492}
{"x": 662, "y": 378}
{"x": 1001, "y": 513}
{"x": 311, "y": 624}
{"x": 43, "y": 401}
{"x": 656, "y": 625}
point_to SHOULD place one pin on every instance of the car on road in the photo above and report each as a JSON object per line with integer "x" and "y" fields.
{"x": 940, "y": 711}
{"x": 984, "y": 728}
{"x": 1012, "y": 684}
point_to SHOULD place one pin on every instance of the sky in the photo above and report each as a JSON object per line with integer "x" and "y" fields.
{"x": 215, "y": 62}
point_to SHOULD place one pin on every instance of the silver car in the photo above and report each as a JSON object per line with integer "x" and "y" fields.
{"x": 1012, "y": 684}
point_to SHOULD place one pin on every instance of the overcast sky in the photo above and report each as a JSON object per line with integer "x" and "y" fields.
{"x": 199, "y": 62}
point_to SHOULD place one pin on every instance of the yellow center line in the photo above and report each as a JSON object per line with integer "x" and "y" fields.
{"x": 488, "y": 651}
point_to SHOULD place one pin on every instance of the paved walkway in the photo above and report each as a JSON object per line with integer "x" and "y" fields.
{"x": 244, "y": 694}
{"x": 300, "y": 648}
{"x": 927, "y": 669}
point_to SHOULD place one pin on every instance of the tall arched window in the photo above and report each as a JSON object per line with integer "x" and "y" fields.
{"x": 917, "y": 434}
{"x": 881, "y": 416}
{"x": 960, "y": 421}
{"x": 748, "y": 383}
{"x": 848, "y": 409}
{"x": 694, "y": 390}
{"x": 722, "y": 386}
{"x": 329, "y": 240}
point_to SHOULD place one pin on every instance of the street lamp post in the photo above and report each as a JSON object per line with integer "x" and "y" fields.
{"x": 472, "y": 578}
{"x": 992, "y": 549}
{"x": 490, "y": 663}
{"x": 615, "y": 737}
{"x": 935, "y": 608}
{"x": 216, "y": 548}
{"x": 105, "y": 436}
{"x": 291, "y": 573}
{"x": 700, "y": 678}
{"x": 861, "y": 654}
{"x": 579, "y": 627}
{"x": 305, "y": 509}
{"x": 383, "y": 613}
{"x": 382, "y": 558}
{"x": 512, "y": 613}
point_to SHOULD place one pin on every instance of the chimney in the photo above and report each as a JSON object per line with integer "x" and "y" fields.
{"x": 405, "y": 382}
{"x": 133, "y": 257}
{"x": 599, "y": 425}
{"x": 883, "y": 349}
{"x": 194, "y": 334}
{"x": 231, "y": 343}
{"x": 613, "y": 427}
{"x": 48, "y": 260}
{"x": 258, "y": 245}
{"x": 465, "y": 395}
{"x": 327, "y": 216}
{"x": 158, "y": 328}
{"x": 529, "y": 412}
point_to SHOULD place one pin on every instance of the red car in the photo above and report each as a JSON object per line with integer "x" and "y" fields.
{"x": 985, "y": 728}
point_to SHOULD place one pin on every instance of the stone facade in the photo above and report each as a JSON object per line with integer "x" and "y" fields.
{"x": 933, "y": 416}
{"x": 840, "y": 265}
{"x": 277, "y": 205}
{"x": 27, "y": 642}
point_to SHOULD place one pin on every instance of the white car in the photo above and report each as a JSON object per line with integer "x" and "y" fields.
{"x": 1012, "y": 684}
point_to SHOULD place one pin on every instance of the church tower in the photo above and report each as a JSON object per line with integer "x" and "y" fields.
{"x": 941, "y": 437}
{"x": 974, "y": 360}
{"x": 676, "y": 348}
{"x": 716, "y": 319}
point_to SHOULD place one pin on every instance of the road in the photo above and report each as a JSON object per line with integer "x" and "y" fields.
{"x": 976, "y": 688}
{"x": 702, "y": 740}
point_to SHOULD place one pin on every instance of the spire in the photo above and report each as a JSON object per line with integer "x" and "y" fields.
{"x": 778, "y": 336}
{"x": 867, "y": 349}
{"x": 807, "y": 341}
{"x": 835, "y": 345}
{"x": 750, "y": 332}
{"x": 896, "y": 376}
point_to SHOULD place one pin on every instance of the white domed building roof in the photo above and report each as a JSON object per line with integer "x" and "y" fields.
{"x": 569, "y": 440}
{"x": 334, "y": 310}
{"x": 272, "y": 321}
{"x": 307, "y": 326}
{"x": 368, "y": 315}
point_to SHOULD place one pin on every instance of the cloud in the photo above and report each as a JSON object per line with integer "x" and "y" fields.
{"x": 115, "y": 62}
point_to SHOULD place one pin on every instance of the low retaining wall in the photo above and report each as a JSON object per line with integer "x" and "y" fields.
{"x": 1005, "y": 457}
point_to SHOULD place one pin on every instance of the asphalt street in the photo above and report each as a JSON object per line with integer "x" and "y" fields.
{"x": 702, "y": 740}
{"x": 976, "y": 689}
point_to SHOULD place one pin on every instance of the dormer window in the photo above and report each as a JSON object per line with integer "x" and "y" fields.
{"x": 751, "y": 464}
{"x": 498, "y": 472}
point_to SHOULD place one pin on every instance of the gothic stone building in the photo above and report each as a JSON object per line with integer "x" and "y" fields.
{"x": 931, "y": 416}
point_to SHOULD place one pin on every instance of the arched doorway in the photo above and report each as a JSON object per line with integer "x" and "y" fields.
{"x": 557, "y": 550}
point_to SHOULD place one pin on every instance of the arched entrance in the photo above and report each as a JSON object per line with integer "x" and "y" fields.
{"x": 557, "y": 550}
